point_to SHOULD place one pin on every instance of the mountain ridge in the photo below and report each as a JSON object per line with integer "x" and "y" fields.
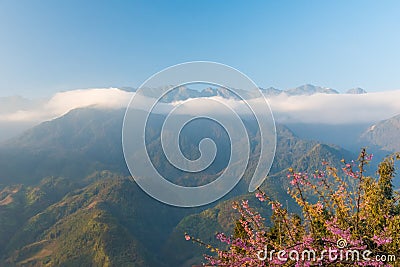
{"x": 97, "y": 195}
{"x": 185, "y": 92}
{"x": 384, "y": 134}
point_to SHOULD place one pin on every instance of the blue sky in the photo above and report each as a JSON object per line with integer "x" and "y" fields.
{"x": 51, "y": 46}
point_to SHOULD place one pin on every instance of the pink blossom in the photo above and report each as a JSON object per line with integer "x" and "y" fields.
{"x": 260, "y": 197}
{"x": 381, "y": 240}
{"x": 276, "y": 205}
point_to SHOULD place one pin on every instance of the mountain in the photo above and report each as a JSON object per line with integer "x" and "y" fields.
{"x": 126, "y": 88}
{"x": 221, "y": 218}
{"x": 182, "y": 93}
{"x": 9, "y": 108}
{"x": 384, "y": 134}
{"x": 271, "y": 91}
{"x": 66, "y": 198}
{"x": 356, "y": 91}
{"x": 345, "y": 135}
{"x": 186, "y": 92}
{"x": 105, "y": 220}
{"x": 74, "y": 145}
{"x": 89, "y": 139}
{"x": 309, "y": 89}
{"x": 86, "y": 140}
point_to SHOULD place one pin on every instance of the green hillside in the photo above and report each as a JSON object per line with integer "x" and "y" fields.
{"x": 222, "y": 217}
{"x": 84, "y": 216}
{"x": 109, "y": 222}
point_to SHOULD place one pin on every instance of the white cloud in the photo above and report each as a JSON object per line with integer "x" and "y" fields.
{"x": 318, "y": 108}
{"x": 63, "y": 102}
{"x": 336, "y": 108}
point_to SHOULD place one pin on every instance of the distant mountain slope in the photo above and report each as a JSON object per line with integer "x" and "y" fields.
{"x": 74, "y": 145}
{"x": 185, "y": 92}
{"x": 309, "y": 89}
{"x": 344, "y": 135}
{"x": 356, "y": 91}
{"x": 385, "y": 134}
{"x": 86, "y": 140}
{"x": 271, "y": 91}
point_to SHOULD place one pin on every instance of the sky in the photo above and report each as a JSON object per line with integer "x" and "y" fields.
{"x": 51, "y": 46}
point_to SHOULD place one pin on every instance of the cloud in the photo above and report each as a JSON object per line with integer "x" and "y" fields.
{"x": 64, "y": 102}
{"x": 336, "y": 108}
{"x": 318, "y": 108}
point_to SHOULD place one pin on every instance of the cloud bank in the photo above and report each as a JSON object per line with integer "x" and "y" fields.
{"x": 336, "y": 108}
{"x": 317, "y": 108}
{"x": 63, "y": 102}
{"x": 330, "y": 109}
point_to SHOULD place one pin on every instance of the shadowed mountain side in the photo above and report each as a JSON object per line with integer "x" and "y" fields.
{"x": 385, "y": 134}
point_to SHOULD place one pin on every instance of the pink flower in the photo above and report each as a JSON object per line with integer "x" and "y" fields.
{"x": 319, "y": 174}
{"x": 260, "y": 197}
{"x": 381, "y": 240}
{"x": 187, "y": 237}
{"x": 223, "y": 238}
{"x": 369, "y": 157}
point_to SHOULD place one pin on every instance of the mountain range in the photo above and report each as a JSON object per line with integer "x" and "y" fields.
{"x": 186, "y": 92}
{"x": 67, "y": 198}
